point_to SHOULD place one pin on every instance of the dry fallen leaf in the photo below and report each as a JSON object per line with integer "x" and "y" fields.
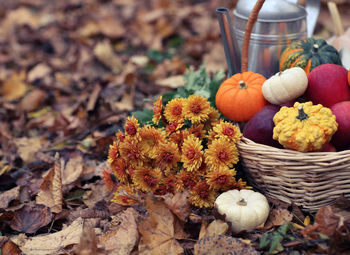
{"x": 126, "y": 103}
{"x": 32, "y": 100}
{"x": 216, "y": 227}
{"x": 51, "y": 243}
{"x": 88, "y": 242}
{"x": 50, "y": 193}
{"x": 38, "y": 72}
{"x": 158, "y": 234}
{"x": 7, "y": 196}
{"x": 172, "y": 82}
{"x": 9, "y": 248}
{"x": 104, "y": 52}
{"x": 278, "y": 217}
{"x": 14, "y": 87}
{"x": 29, "y": 219}
{"x": 222, "y": 244}
{"x": 27, "y": 147}
{"x": 72, "y": 170}
{"x": 179, "y": 205}
{"x": 123, "y": 239}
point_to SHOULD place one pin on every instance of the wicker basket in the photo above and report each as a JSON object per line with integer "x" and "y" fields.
{"x": 309, "y": 180}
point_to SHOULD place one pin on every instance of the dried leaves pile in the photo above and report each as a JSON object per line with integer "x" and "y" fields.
{"x": 70, "y": 73}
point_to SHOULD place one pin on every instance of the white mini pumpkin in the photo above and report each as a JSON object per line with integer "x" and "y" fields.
{"x": 285, "y": 86}
{"x": 244, "y": 209}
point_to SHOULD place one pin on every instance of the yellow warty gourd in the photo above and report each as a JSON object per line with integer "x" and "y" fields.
{"x": 304, "y": 127}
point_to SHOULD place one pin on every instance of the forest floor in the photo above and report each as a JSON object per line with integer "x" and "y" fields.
{"x": 71, "y": 72}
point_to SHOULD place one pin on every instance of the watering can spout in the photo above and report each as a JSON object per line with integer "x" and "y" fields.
{"x": 232, "y": 52}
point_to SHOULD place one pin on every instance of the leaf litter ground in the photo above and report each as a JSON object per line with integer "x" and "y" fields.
{"x": 70, "y": 74}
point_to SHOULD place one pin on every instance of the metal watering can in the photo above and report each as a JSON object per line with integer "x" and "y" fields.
{"x": 279, "y": 23}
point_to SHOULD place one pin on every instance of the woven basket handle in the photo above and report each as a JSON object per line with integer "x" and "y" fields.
{"x": 248, "y": 29}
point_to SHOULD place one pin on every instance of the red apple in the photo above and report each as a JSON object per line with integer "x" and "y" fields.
{"x": 341, "y": 138}
{"x": 328, "y": 85}
{"x": 328, "y": 147}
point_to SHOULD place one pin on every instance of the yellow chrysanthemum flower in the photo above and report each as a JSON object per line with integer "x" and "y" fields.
{"x": 196, "y": 109}
{"x": 146, "y": 178}
{"x": 113, "y": 152}
{"x": 213, "y": 119}
{"x": 131, "y": 126}
{"x": 168, "y": 155}
{"x": 227, "y": 129}
{"x": 150, "y": 140}
{"x": 192, "y": 153}
{"x": 221, "y": 179}
{"x": 240, "y": 184}
{"x": 107, "y": 178}
{"x": 157, "y": 110}
{"x": 186, "y": 180}
{"x": 131, "y": 152}
{"x": 125, "y": 195}
{"x": 202, "y": 195}
{"x": 221, "y": 153}
{"x": 173, "y": 111}
{"x": 118, "y": 167}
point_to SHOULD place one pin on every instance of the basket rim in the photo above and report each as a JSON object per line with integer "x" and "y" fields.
{"x": 244, "y": 142}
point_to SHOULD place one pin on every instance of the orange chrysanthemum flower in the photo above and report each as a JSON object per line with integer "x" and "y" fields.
{"x": 198, "y": 131}
{"x": 107, "y": 178}
{"x": 119, "y": 170}
{"x": 146, "y": 178}
{"x": 173, "y": 111}
{"x": 196, "y": 109}
{"x": 125, "y": 195}
{"x": 113, "y": 152}
{"x": 221, "y": 179}
{"x": 150, "y": 140}
{"x": 186, "y": 180}
{"x": 202, "y": 195}
{"x": 167, "y": 156}
{"x": 131, "y": 152}
{"x": 131, "y": 126}
{"x": 173, "y": 127}
{"x": 213, "y": 119}
{"x": 241, "y": 185}
{"x": 157, "y": 110}
{"x": 166, "y": 185}
{"x": 221, "y": 153}
{"x": 192, "y": 153}
{"x": 227, "y": 129}
{"x": 120, "y": 136}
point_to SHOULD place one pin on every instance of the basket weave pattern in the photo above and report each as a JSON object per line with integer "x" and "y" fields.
{"x": 309, "y": 180}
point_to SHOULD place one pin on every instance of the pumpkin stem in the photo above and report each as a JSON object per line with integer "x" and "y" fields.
{"x": 242, "y": 85}
{"x": 301, "y": 114}
{"x": 314, "y": 48}
{"x": 242, "y": 202}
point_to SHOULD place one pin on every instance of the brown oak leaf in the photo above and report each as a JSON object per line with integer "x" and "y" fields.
{"x": 29, "y": 219}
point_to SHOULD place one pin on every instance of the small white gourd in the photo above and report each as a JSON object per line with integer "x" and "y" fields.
{"x": 285, "y": 86}
{"x": 244, "y": 209}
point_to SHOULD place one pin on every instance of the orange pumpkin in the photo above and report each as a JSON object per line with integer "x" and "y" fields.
{"x": 240, "y": 97}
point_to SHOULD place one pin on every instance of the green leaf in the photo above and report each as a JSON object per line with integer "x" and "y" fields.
{"x": 284, "y": 228}
{"x": 144, "y": 117}
{"x": 276, "y": 243}
{"x": 77, "y": 194}
{"x": 158, "y": 56}
{"x": 264, "y": 241}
